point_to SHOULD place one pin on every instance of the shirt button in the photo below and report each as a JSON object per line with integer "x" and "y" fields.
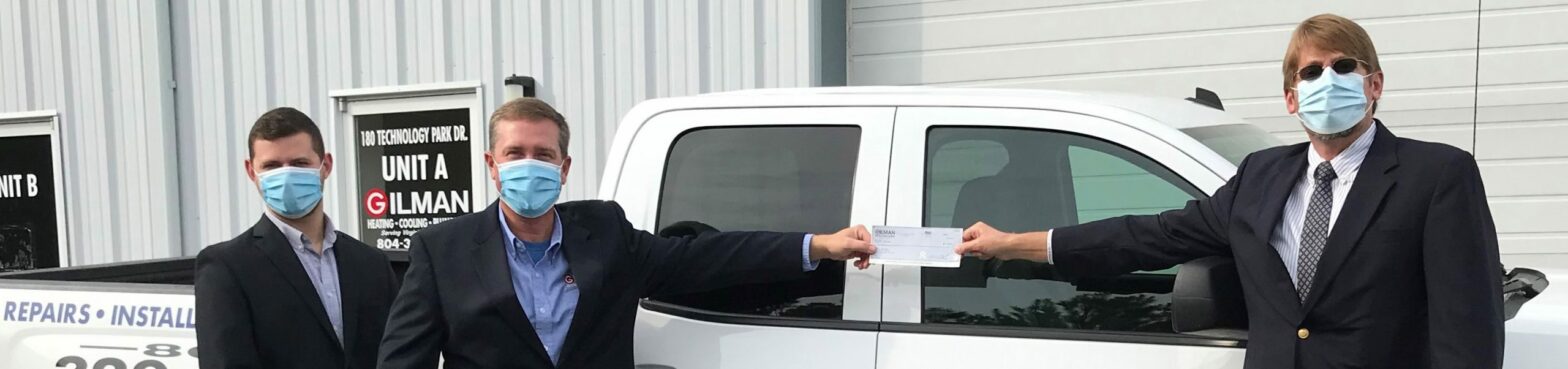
{"x": 1303, "y": 333}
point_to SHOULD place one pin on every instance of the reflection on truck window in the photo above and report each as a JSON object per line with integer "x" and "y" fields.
{"x": 1021, "y": 180}
{"x": 16, "y": 247}
{"x": 1233, "y": 141}
{"x": 787, "y": 179}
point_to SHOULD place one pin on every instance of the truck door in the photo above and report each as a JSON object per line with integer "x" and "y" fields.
{"x": 813, "y": 170}
{"x": 1025, "y": 170}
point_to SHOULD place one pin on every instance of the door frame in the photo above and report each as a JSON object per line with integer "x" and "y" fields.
{"x": 39, "y": 123}
{"x": 340, "y": 135}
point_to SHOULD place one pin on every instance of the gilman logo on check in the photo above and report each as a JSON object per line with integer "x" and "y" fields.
{"x": 918, "y": 246}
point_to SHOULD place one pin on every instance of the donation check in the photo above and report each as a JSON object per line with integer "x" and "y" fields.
{"x": 932, "y": 247}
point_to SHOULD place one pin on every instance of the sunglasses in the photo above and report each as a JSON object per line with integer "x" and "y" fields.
{"x": 1341, "y": 66}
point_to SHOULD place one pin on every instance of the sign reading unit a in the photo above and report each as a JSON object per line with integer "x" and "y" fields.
{"x": 415, "y": 169}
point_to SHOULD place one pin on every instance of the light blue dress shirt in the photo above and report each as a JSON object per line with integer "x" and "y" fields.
{"x": 542, "y": 288}
{"x": 322, "y": 268}
{"x": 548, "y": 294}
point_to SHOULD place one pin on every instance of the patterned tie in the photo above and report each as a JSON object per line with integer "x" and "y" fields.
{"x": 1314, "y": 232}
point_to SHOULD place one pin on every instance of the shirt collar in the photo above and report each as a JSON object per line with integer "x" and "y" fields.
{"x": 511, "y": 239}
{"x": 1349, "y": 161}
{"x": 297, "y": 239}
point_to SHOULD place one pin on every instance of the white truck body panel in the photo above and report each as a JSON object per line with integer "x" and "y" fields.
{"x": 82, "y": 325}
{"x": 1537, "y": 337}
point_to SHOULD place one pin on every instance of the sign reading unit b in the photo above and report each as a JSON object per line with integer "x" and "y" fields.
{"x": 18, "y": 185}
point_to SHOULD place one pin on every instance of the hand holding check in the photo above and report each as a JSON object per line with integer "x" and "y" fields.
{"x": 849, "y": 243}
{"x": 986, "y": 242}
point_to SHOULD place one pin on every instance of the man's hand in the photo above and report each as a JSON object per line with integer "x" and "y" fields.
{"x": 986, "y": 242}
{"x": 853, "y": 242}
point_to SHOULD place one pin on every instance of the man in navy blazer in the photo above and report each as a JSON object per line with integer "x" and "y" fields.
{"x": 1358, "y": 249}
{"x": 534, "y": 284}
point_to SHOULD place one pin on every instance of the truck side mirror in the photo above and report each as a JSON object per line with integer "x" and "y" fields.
{"x": 1206, "y": 299}
{"x": 1519, "y": 286}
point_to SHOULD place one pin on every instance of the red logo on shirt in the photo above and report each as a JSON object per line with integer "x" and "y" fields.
{"x": 569, "y": 279}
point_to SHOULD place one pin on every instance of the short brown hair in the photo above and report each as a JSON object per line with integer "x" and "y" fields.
{"x": 528, "y": 108}
{"x": 1332, "y": 33}
{"x": 283, "y": 122}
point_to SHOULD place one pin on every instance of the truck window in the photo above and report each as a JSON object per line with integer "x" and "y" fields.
{"x": 775, "y": 178}
{"x": 1021, "y": 180}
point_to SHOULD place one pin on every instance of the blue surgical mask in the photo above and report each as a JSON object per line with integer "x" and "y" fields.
{"x": 530, "y": 187}
{"x": 1332, "y": 103}
{"x": 291, "y": 192}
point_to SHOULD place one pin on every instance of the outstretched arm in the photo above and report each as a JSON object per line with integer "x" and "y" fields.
{"x": 715, "y": 260}
{"x": 1118, "y": 245}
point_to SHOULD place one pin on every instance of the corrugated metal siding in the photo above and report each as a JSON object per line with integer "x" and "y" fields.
{"x": 1428, "y": 48}
{"x": 593, "y": 61}
{"x": 158, "y": 171}
{"x": 1523, "y": 122}
{"x": 104, "y": 65}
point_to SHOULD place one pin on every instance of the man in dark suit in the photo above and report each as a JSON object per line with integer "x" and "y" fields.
{"x": 292, "y": 291}
{"x": 529, "y": 283}
{"x": 1359, "y": 249}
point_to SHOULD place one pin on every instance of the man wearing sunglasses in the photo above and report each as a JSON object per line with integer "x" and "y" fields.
{"x": 1357, "y": 249}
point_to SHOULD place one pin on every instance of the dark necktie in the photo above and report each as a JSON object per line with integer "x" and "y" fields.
{"x": 1314, "y": 232}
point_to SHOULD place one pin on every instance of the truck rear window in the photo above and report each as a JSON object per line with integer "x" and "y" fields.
{"x": 764, "y": 178}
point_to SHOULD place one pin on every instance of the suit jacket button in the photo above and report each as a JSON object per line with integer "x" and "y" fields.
{"x": 1302, "y": 333}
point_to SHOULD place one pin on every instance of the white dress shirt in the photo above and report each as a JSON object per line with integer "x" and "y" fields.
{"x": 1287, "y": 234}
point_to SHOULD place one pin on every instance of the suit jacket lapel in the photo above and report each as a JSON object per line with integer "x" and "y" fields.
{"x": 271, "y": 241}
{"x": 588, "y": 271}
{"x": 488, "y": 256}
{"x": 1365, "y": 199}
{"x": 1273, "y": 272}
{"x": 349, "y": 288}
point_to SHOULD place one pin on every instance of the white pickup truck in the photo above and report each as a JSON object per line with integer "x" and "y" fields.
{"x": 816, "y": 160}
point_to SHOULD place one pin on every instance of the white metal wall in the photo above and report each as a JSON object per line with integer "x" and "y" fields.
{"x": 105, "y": 66}
{"x": 593, "y": 61}
{"x": 156, "y": 97}
{"x": 1429, "y": 49}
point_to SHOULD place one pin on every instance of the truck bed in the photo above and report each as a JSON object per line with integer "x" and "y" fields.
{"x": 170, "y": 271}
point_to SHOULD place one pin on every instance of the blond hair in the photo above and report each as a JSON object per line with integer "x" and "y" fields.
{"x": 528, "y": 108}
{"x": 1329, "y": 32}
